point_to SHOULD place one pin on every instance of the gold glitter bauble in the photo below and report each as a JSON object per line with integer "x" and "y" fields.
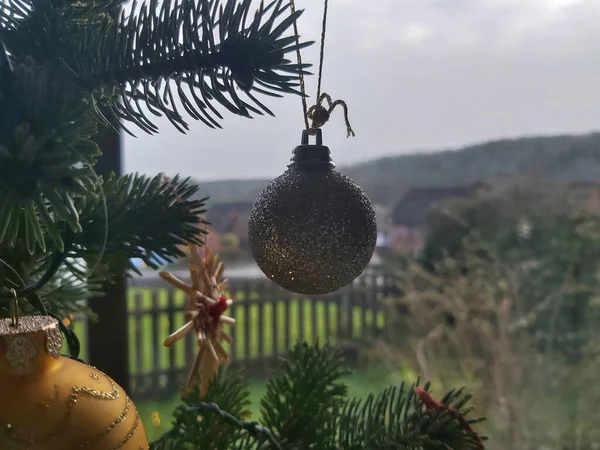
{"x": 312, "y": 230}
{"x": 50, "y": 402}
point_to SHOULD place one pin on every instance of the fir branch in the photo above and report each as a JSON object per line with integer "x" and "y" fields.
{"x": 199, "y": 421}
{"x": 67, "y": 293}
{"x": 305, "y": 407}
{"x": 190, "y": 65}
{"x": 305, "y": 396}
{"x": 53, "y": 89}
{"x": 46, "y": 155}
{"x": 147, "y": 218}
{"x": 161, "y": 56}
{"x": 64, "y": 297}
{"x": 379, "y": 420}
{"x": 43, "y": 29}
{"x": 258, "y": 432}
{"x": 396, "y": 419}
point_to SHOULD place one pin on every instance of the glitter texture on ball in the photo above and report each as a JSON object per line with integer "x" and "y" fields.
{"x": 312, "y": 230}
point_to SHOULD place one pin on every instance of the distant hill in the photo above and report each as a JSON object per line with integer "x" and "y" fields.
{"x": 230, "y": 191}
{"x": 551, "y": 158}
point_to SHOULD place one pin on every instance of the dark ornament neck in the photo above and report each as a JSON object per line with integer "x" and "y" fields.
{"x": 311, "y": 157}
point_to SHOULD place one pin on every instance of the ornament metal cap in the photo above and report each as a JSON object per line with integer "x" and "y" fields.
{"x": 31, "y": 324}
{"x": 21, "y": 334}
{"x": 308, "y": 157}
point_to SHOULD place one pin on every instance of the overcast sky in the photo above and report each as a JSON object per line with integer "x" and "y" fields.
{"x": 417, "y": 75}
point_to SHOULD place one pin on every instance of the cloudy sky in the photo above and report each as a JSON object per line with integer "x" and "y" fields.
{"x": 418, "y": 75}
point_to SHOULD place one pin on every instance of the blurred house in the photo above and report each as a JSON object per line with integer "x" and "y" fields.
{"x": 383, "y": 240}
{"x": 229, "y": 220}
{"x": 212, "y": 240}
{"x": 407, "y": 219}
{"x": 586, "y": 195}
{"x": 382, "y": 214}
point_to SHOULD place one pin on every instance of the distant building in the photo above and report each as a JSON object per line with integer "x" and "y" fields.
{"x": 382, "y": 214}
{"x": 408, "y": 216}
{"x": 211, "y": 240}
{"x": 382, "y": 240}
{"x": 586, "y": 195}
{"x": 231, "y": 218}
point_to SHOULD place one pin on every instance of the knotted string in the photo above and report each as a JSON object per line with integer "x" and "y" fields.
{"x": 318, "y": 115}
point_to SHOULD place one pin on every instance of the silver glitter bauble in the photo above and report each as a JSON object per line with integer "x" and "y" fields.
{"x": 312, "y": 230}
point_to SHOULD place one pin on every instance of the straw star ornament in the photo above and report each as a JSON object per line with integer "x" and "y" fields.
{"x": 204, "y": 315}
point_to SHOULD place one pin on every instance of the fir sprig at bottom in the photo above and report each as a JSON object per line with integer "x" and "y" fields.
{"x": 306, "y": 406}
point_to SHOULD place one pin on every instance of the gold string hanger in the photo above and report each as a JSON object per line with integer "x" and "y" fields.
{"x": 318, "y": 115}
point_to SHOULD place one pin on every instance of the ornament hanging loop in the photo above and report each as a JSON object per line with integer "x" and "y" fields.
{"x": 317, "y": 133}
{"x": 14, "y": 309}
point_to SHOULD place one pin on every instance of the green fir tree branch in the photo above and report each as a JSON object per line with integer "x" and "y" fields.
{"x": 160, "y": 57}
{"x": 306, "y": 407}
{"x": 136, "y": 216}
{"x": 305, "y": 396}
{"x": 200, "y": 424}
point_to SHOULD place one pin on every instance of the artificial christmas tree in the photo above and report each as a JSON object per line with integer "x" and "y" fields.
{"x": 66, "y": 67}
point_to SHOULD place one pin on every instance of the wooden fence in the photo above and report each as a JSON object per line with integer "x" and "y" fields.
{"x": 269, "y": 320}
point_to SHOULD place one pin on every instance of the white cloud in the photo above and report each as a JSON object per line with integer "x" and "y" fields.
{"x": 560, "y": 4}
{"x": 456, "y": 25}
{"x": 417, "y": 32}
